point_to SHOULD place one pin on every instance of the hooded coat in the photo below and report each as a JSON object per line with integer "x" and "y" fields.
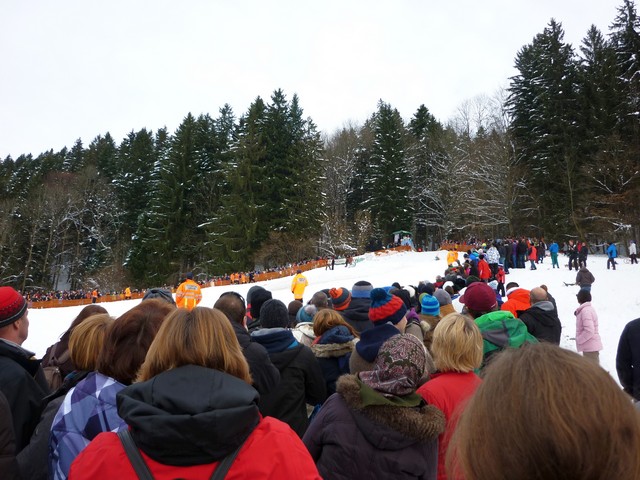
{"x": 347, "y": 438}
{"x": 333, "y": 350}
{"x": 501, "y": 330}
{"x": 542, "y": 322}
{"x": 517, "y": 301}
{"x": 185, "y": 420}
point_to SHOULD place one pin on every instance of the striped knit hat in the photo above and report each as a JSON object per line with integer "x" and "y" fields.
{"x": 340, "y": 298}
{"x": 361, "y": 289}
{"x": 12, "y": 306}
{"x": 429, "y": 305}
{"x": 385, "y": 307}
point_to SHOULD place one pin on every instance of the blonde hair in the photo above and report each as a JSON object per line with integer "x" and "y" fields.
{"x": 549, "y": 413}
{"x": 457, "y": 344}
{"x": 325, "y": 319}
{"x": 87, "y": 339}
{"x": 202, "y": 336}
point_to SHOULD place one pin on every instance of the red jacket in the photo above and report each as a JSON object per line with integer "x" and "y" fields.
{"x": 272, "y": 451}
{"x": 533, "y": 254}
{"x": 518, "y": 301}
{"x": 449, "y": 392}
{"x": 484, "y": 270}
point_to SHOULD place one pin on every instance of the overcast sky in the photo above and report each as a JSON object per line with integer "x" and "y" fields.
{"x": 76, "y": 69}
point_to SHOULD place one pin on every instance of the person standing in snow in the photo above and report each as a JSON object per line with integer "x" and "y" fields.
{"x": 587, "y": 337}
{"x": 553, "y": 250}
{"x": 298, "y": 285}
{"x": 612, "y": 254}
{"x": 188, "y": 294}
{"x": 633, "y": 251}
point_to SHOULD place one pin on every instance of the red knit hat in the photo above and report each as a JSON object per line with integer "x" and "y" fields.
{"x": 12, "y": 306}
{"x": 479, "y": 297}
{"x": 340, "y": 297}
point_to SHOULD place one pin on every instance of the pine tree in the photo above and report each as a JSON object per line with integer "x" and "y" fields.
{"x": 544, "y": 109}
{"x": 390, "y": 182}
{"x": 429, "y": 182}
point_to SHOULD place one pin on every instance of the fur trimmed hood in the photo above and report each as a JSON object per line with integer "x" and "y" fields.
{"x": 419, "y": 424}
{"x": 332, "y": 350}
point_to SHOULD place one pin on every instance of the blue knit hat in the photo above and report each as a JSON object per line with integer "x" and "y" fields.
{"x": 306, "y": 313}
{"x": 429, "y": 305}
{"x": 386, "y": 307}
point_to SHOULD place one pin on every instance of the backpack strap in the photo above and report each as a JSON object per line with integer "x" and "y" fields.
{"x": 137, "y": 462}
{"x": 225, "y": 464}
{"x": 142, "y": 469}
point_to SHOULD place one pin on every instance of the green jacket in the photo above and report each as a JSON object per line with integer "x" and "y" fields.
{"x": 500, "y": 330}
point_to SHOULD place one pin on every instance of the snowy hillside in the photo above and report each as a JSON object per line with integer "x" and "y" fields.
{"x": 616, "y": 297}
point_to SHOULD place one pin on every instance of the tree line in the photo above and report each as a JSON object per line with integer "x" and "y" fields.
{"x": 555, "y": 155}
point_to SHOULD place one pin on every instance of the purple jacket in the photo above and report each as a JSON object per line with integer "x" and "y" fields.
{"x": 587, "y": 336}
{"x": 88, "y": 409}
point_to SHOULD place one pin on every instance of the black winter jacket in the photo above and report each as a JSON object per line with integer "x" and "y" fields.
{"x": 23, "y": 383}
{"x": 8, "y": 465}
{"x": 301, "y": 380}
{"x": 264, "y": 374}
{"x": 542, "y": 322}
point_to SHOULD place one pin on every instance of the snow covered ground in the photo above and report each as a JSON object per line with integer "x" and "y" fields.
{"x": 616, "y": 296}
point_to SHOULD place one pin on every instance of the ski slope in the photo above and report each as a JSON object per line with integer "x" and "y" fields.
{"x": 616, "y": 296}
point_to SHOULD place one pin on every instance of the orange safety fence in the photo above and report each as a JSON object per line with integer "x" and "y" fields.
{"x": 260, "y": 277}
{"x": 460, "y": 247}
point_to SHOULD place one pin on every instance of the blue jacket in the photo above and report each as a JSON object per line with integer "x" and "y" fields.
{"x": 554, "y": 248}
{"x": 612, "y": 251}
{"x": 87, "y": 410}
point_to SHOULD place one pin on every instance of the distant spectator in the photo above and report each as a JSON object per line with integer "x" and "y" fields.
{"x": 587, "y": 336}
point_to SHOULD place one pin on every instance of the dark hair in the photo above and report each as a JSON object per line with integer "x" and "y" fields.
{"x": 85, "y": 313}
{"x": 128, "y": 339}
{"x": 232, "y": 305}
{"x": 583, "y": 296}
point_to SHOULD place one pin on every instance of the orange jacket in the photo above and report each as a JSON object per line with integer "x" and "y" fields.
{"x": 518, "y": 301}
{"x": 188, "y": 295}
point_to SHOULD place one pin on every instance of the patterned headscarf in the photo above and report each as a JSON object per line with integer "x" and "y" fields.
{"x": 398, "y": 368}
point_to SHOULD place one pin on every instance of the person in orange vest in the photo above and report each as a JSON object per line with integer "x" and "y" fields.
{"x": 94, "y": 295}
{"x": 188, "y": 294}
{"x": 298, "y": 284}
